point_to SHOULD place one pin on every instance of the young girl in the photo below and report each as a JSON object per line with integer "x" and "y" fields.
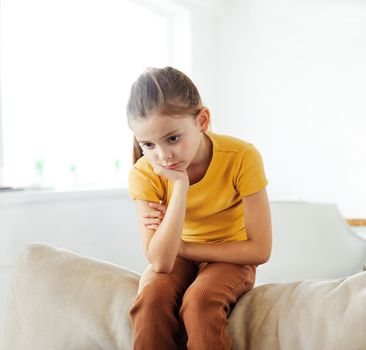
{"x": 204, "y": 213}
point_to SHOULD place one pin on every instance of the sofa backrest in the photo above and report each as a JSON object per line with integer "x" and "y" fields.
{"x": 311, "y": 241}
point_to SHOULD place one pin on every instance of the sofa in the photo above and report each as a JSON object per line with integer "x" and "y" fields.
{"x": 305, "y": 298}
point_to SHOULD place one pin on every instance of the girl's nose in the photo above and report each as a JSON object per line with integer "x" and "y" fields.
{"x": 165, "y": 156}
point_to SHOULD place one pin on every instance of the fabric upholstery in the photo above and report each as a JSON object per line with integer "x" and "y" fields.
{"x": 311, "y": 241}
{"x": 304, "y": 315}
{"x": 60, "y": 300}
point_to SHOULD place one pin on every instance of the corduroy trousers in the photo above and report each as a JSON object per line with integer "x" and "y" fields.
{"x": 196, "y": 296}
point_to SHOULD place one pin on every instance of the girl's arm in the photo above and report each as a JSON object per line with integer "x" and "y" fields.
{"x": 162, "y": 245}
{"x": 255, "y": 250}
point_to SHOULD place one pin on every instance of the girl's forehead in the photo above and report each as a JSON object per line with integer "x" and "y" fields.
{"x": 156, "y": 127}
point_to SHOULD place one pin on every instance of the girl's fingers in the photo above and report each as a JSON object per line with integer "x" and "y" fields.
{"x": 152, "y": 227}
{"x": 152, "y": 214}
{"x": 151, "y": 221}
{"x": 158, "y": 206}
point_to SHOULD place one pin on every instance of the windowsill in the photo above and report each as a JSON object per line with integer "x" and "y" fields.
{"x": 38, "y": 195}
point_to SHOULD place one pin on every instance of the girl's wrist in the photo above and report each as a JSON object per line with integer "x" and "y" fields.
{"x": 182, "y": 249}
{"x": 182, "y": 183}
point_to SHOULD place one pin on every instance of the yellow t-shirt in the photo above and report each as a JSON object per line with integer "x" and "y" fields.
{"x": 214, "y": 210}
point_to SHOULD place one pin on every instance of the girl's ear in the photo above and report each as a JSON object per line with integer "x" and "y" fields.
{"x": 203, "y": 119}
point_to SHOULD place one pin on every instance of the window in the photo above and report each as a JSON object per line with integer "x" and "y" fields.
{"x": 66, "y": 70}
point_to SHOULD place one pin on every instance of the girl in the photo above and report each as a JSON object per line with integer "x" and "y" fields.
{"x": 204, "y": 213}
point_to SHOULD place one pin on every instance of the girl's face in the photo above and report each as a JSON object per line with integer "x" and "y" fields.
{"x": 171, "y": 142}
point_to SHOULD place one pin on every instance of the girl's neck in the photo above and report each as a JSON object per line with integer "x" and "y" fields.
{"x": 197, "y": 170}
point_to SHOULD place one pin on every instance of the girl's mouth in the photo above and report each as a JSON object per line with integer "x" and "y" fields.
{"x": 171, "y": 166}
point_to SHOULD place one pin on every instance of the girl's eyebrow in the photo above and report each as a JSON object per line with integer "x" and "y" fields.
{"x": 167, "y": 135}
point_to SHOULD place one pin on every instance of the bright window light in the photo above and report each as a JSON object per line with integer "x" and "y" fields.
{"x": 66, "y": 70}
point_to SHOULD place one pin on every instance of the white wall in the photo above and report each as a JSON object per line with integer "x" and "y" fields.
{"x": 290, "y": 77}
{"x": 205, "y": 16}
{"x": 292, "y": 80}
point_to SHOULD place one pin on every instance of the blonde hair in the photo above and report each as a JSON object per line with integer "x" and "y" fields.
{"x": 164, "y": 91}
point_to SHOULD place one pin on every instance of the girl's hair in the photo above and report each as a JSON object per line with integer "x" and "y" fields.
{"x": 163, "y": 91}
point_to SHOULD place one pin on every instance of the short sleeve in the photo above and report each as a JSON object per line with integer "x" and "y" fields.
{"x": 144, "y": 184}
{"x": 250, "y": 175}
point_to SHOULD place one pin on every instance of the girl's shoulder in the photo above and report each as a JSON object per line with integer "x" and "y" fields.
{"x": 143, "y": 168}
{"x": 226, "y": 143}
{"x": 143, "y": 164}
{"x": 144, "y": 184}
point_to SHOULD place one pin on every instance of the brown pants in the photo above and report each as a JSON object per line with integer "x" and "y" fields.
{"x": 199, "y": 295}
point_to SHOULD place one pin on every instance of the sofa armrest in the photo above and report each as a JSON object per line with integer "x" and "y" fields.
{"x": 61, "y": 300}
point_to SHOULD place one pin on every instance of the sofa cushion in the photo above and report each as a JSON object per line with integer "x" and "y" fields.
{"x": 304, "y": 315}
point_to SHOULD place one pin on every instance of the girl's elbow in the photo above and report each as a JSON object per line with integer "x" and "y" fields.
{"x": 161, "y": 265}
{"x": 264, "y": 257}
{"x": 162, "y": 268}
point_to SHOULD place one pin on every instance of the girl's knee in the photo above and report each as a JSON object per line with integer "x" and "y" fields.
{"x": 157, "y": 296}
{"x": 204, "y": 316}
{"x": 203, "y": 300}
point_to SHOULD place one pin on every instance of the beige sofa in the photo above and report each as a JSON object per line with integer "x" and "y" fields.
{"x": 60, "y": 300}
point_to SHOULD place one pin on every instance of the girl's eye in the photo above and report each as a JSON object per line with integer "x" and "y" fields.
{"x": 147, "y": 145}
{"x": 173, "y": 139}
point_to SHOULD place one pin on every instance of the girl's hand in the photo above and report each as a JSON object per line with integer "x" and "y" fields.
{"x": 182, "y": 249}
{"x": 153, "y": 218}
{"x": 176, "y": 174}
